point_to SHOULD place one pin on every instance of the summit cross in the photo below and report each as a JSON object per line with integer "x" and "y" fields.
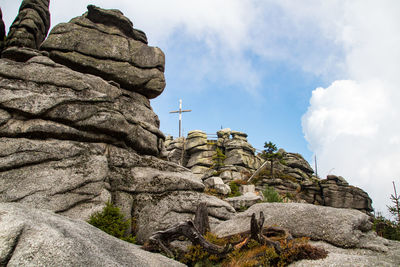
{"x": 180, "y": 111}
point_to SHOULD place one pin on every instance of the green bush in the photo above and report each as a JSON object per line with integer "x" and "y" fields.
{"x": 111, "y": 221}
{"x": 386, "y": 228}
{"x": 235, "y": 185}
{"x": 270, "y": 195}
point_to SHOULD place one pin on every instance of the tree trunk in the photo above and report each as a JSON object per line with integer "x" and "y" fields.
{"x": 201, "y": 221}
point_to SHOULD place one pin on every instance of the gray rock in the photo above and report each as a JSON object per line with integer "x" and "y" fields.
{"x": 244, "y": 201}
{"x": 56, "y": 102}
{"x": 31, "y": 237}
{"x": 30, "y": 27}
{"x": 203, "y": 158}
{"x": 2, "y": 32}
{"x": 250, "y": 188}
{"x": 223, "y": 189}
{"x": 158, "y": 212}
{"x": 103, "y": 43}
{"x": 340, "y": 227}
{"x": 341, "y": 195}
{"x": 295, "y": 160}
{"x": 211, "y": 182}
{"x": 339, "y": 257}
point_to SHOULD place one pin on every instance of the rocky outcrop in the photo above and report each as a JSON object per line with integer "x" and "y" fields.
{"x": 333, "y": 191}
{"x": 197, "y": 152}
{"x": 72, "y": 141}
{"x": 2, "y": 32}
{"x": 42, "y": 99}
{"x": 339, "y": 257}
{"x": 104, "y": 43}
{"x": 340, "y": 227}
{"x": 30, "y": 27}
{"x": 31, "y": 237}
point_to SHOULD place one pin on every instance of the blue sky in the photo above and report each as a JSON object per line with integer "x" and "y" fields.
{"x": 314, "y": 77}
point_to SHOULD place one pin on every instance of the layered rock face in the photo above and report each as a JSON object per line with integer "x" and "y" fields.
{"x": 72, "y": 141}
{"x": 292, "y": 176}
{"x": 197, "y": 152}
{"x": 30, "y": 27}
{"x": 104, "y": 43}
{"x": 2, "y": 32}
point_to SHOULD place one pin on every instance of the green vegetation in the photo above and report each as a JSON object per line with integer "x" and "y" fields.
{"x": 253, "y": 254}
{"x": 111, "y": 221}
{"x": 269, "y": 153}
{"x": 270, "y": 195}
{"x": 235, "y": 185}
{"x": 387, "y": 228}
{"x": 218, "y": 159}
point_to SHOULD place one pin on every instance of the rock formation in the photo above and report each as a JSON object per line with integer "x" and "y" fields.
{"x": 72, "y": 141}
{"x": 42, "y": 238}
{"x": 104, "y": 43}
{"x": 30, "y": 27}
{"x": 293, "y": 176}
{"x": 334, "y": 229}
{"x": 197, "y": 151}
{"x": 2, "y": 32}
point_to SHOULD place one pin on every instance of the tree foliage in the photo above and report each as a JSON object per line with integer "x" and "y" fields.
{"x": 218, "y": 159}
{"x": 111, "y": 221}
{"x": 269, "y": 153}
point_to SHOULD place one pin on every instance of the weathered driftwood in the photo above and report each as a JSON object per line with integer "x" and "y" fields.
{"x": 201, "y": 218}
{"x": 191, "y": 230}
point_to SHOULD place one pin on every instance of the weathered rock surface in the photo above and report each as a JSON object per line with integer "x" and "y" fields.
{"x": 30, "y": 27}
{"x": 340, "y": 227}
{"x": 2, "y": 31}
{"x": 75, "y": 179}
{"x": 244, "y": 201}
{"x": 339, "y": 257}
{"x": 327, "y": 192}
{"x": 104, "y": 43}
{"x": 41, "y": 99}
{"x": 30, "y": 237}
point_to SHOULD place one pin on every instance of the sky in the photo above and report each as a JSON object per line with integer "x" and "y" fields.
{"x": 314, "y": 77}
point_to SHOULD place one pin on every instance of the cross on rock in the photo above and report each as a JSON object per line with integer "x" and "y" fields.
{"x": 180, "y": 111}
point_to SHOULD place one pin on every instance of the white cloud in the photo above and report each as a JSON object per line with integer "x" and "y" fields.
{"x": 353, "y": 125}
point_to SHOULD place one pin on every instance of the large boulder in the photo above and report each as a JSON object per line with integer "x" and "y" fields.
{"x": 340, "y": 227}
{"x": 30, "y": 27}
{"x": 104, "y": 43}
{"x": 339, "y": 257}
{"x": 31, "y": 237}
{"x": 41, "y": 99}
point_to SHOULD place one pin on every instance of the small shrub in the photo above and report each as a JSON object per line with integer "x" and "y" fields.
{"x": 386, "y": 228}
{"x": 218, "y": 159}
{"x": 234, "y": 185}
{"x": 111, "y": 221}
{"x": 270, "y": 195}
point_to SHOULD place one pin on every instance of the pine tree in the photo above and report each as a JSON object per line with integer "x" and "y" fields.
{"x": 269, "y": 153}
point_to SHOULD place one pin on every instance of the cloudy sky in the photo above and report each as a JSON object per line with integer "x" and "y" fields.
{"x": 314, "y": 77}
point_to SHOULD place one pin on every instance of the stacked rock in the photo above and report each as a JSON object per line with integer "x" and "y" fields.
{"x": 175, "y": 150}
{"x": 104, "y": 43}
{"x": 199, "y": 151}
{"x": 2, "y": 32}
{"x": 240, "y": 153}
{"x": 30, "y": 27}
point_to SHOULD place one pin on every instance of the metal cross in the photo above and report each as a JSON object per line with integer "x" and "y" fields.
{"x": 180, "y": 111}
